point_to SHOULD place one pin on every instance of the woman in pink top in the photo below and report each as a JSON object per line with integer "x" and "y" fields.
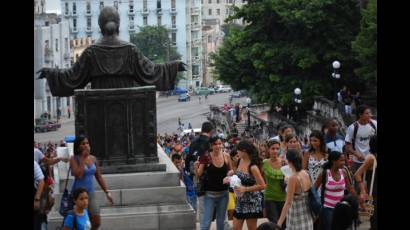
{"x": 335, "y": 181}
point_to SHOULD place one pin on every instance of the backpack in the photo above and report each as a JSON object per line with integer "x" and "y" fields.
{"x": 356, "y": 128}
{"x": 197, "y": 148}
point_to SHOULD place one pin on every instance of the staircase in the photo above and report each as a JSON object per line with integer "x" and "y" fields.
{"x": 146, "y": 201}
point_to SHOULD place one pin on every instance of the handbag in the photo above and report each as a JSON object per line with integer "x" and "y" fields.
{"x": 66, "y": 203}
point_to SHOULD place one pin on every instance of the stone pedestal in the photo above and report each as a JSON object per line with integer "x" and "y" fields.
{"x": 121, "y": 126}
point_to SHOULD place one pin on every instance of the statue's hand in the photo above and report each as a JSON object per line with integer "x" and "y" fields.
{"x": 43, "y": 72}
{"x": 182, "y": 67}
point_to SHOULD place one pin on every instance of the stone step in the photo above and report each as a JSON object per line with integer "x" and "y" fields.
{"x": 158, "y": 217}
{"x": 134, "y": 180}
{"x": 138, "y": 196}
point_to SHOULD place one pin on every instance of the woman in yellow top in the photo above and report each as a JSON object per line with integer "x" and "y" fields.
{"x": 275, "y": 194}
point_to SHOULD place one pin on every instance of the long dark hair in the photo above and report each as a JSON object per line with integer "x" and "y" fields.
{"x": 295, "y": 157}
{"x": 77, "y": 142}
{"x": 317, "y": 134}
{"x": 252, "y": 151}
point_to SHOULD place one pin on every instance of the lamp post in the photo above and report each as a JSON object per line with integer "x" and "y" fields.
{"x": 335, "y": 76}
{"x": 297, "y": 102}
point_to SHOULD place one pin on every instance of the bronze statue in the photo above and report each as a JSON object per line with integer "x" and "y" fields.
{"x": 111, "y": 63}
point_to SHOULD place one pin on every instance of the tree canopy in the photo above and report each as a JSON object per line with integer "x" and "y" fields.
{"x": 289, "y": 44}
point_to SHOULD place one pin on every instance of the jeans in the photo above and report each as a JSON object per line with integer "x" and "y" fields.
{"x": 326, "y": 217}
{"x": 273, "y": 211}
{"x": 220, "y": 202}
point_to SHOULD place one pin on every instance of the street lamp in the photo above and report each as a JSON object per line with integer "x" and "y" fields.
{"x": 335, "y": 76}
{"x": 297, "y": 101}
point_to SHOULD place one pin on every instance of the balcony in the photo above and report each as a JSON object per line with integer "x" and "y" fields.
{"x": 131, "y": 28}
{"x": 173, "y": 11}
{"x": 67, "y": 56}
{"x": 131, "y": 12}
{"x": 195, "y": 76}
{"x": 74, "y": 14}
{"x": 173, "y": 27}
{"x": 48, "y": 55}
{"x": 195, "y": 11}
{"x": 88, "y": 30}
{"x": 196, "y": 60}
{"x": 159, "y": 11}
{"x": 74, "y": 30}
{"x": 195, "y": 26}
{"x": 88, "y": 13}
{"x": 196, "y": 42}
{"x": 67, "y": 14}
{"x": 145, "y": 12}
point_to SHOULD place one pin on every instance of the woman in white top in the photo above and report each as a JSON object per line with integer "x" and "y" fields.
{"x": 316, "y": 157}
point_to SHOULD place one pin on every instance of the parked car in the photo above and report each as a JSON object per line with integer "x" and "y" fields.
{"x": 235, "y": 94}
{"x": 184, "y": 97}
{"x": 178, "y": 91}
{"x": 197, "y": 131}
{"x": 223, "y": 89}
{"x": 203, "y": 91}
{"x": 45, "y": 125}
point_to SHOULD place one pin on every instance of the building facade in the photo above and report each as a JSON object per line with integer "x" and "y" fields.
{"x": 51, "y": 49}
{"x": 176, "y": 15}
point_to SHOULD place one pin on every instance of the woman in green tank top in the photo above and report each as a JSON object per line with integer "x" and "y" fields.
{"x": 275, "y": 194}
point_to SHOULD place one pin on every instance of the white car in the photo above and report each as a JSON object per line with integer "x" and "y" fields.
{"x": 223, "y": 89}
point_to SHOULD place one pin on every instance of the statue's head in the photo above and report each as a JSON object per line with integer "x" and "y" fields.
{"x": 109, "y": 21}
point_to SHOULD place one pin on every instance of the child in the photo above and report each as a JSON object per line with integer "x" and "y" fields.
{"x": 78, "y": 218}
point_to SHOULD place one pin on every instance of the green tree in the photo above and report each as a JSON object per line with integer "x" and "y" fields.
{"x": 154, "y": 43}
{"x": 365, "y": 45}
{"x": 289, "y": 44}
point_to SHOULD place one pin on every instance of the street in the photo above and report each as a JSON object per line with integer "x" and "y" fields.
{"x": 168, "y": 111}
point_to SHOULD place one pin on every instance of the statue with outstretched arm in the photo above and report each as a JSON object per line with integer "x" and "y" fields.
{"x": 111, "y": 63}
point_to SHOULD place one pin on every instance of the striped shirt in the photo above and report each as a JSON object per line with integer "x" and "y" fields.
{"x": 334, "y": 191}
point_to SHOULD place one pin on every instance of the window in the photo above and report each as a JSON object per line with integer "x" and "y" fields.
{"x": 195, "y": 52}
{"x": 218, "y": 12}
{"x": 88, "y": 23}
{"x": 144, "y": 5}
{"x": 227, "y": 11}
{"x": 159, "y": 20}
{"x": 46, "y": 48}
{"x": 116, "y": 4}
{"x": 67, "y": 10}
{"x": 131, "y": 7}
{"x": 173, "y": 6}
{"x": 74, "y": 8}
{"x": 174, "y": 38}
{"x": 56, "y": 44}
{"x": 131, "y": 22}
{"x": 101, "y": 5}
{"x": 74, "y": 23}
{"x": 88, "y": 8}
{"x": 209, "y": 39}
{"x": 158, "y": 4}
{"x": 209, "y": 1}
{"x": 195, "y": 69}
{"x": 217, "y": 1}
{"x": 194, "y": 19}
{"x": 66, "y": 44}
{"x": 210, "y": 12}
{"x": 174, "y": 21}
{"x": 195, "y": 35}
{"x": 145, "y": 20}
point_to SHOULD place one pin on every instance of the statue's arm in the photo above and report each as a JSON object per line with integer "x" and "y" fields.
{"x": 163, "y": 76}
{"x": 63, "y": 82}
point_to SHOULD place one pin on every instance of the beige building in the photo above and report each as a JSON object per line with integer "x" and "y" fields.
{"x": 78, "y": 46}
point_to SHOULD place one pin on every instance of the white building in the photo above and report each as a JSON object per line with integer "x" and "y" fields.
{"x": 51, "y": 49}
{"x": 214, "y": 13}
{"x": 176, "y": 15}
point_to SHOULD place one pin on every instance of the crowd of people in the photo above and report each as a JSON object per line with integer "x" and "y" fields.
{"x": 239, "y": 178}
{"x": 243, "y": 179}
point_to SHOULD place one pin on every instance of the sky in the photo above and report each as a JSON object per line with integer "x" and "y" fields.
{"x": 53, "y": 6}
